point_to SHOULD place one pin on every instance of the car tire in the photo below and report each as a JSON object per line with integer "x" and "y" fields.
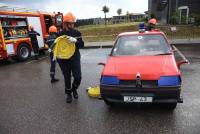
{"x": 170, "y": 106}
{"x": 108, "y": 103}
{"x": 5, "y": 60}
{"x": 23, "y": 52}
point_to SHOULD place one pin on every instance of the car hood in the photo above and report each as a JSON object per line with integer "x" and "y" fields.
{"x": 149, "y": 67}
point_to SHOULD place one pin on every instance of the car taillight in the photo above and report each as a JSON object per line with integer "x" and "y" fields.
{"x": 109, "y": 80}
{"x": 169, "y": 81}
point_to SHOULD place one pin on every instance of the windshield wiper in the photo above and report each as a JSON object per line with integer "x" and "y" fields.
{"x": 163, "y": 54}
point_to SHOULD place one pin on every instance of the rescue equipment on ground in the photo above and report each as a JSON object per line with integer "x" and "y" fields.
{"x": 63, "y": 49}
{"x": 94, "y": 92}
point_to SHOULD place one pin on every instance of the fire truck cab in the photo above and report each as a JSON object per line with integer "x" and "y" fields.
{"x": 14, "y": 39}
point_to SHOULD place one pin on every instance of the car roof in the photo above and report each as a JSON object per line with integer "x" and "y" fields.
{"x": 141, "y": 33}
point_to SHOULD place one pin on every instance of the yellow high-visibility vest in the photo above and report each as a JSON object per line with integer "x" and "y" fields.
{"x": 63, "y": 49}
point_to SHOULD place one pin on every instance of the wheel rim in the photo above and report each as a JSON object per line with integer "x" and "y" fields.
{"x": 24, "y": 52}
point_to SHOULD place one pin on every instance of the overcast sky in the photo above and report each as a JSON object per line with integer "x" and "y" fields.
{"x": 83, "y": 8}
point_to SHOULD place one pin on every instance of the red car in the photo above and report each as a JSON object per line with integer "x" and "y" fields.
{"x": 142, "y": 69}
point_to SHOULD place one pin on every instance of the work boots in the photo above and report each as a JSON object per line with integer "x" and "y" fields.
{"x": 75, "y": 94}
{"x": 69, "y": 98}
{"x": 36, "y": 57}
{"x": 74, "y": 91}
{"x": 54, "y": 80}
{"x": 69, "y": 93}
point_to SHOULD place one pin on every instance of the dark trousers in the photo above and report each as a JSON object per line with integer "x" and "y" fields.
{"x": 68, "y": 67}
{"x": 53, "y": 66}
{"x": 35, "y": 49}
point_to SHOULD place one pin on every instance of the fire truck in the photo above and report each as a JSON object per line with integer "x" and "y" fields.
{"x": 14, "y": 39}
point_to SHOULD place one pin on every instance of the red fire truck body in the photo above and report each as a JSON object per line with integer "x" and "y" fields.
{"x": 14, "y": 39}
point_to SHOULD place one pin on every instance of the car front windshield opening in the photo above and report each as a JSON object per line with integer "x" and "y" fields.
{"x": 141, "y": 45}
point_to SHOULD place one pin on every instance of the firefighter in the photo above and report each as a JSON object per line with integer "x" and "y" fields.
{"x": 72, "y": 65}
{"x": 151, "y": 24}
{"x": 50, "y": 42}
{"x": 33, "y": 35}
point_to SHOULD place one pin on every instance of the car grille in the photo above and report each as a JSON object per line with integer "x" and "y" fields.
{"x": 145, "y": 83}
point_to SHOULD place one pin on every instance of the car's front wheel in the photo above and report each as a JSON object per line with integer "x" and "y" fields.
{"x": 170, "y": 106}
{"x": 108, "y": 103}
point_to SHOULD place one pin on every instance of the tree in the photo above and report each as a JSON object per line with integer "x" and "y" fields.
{"x": 105, "y": 9}
{"x": 119, "y": 11}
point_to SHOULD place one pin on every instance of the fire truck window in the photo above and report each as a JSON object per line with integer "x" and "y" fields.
{"x": 48, "y": 21}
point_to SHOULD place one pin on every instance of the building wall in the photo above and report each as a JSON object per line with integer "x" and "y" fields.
{"x": 164, "y": 15}
{"x": 161, "y": 15}
{"x": 194, "y": 5}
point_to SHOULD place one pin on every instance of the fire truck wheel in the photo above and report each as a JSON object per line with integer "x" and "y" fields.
{"x": 4, "y": 60}
{"x": 23, "y": 52}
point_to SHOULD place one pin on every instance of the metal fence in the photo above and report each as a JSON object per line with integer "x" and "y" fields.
{"x": 181, "y": 31}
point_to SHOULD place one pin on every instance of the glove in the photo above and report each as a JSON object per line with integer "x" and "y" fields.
{"x": 49, "y": 50}
{"x": 72, "y": 39}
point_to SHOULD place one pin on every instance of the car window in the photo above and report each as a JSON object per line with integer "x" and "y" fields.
{"x": 141, "y": 45}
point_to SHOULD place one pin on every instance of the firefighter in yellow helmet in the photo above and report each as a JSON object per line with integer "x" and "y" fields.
{"x": 73, "y": 64}
{"x": 50, "y": 42}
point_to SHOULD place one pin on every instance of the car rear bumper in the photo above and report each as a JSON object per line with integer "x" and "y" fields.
{"x": 159, "y": 94}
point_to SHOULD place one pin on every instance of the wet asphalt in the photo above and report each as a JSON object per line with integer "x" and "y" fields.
{"x": 30, "y": 104}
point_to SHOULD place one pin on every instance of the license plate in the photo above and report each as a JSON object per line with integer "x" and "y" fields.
{"x": 137, "y": 99}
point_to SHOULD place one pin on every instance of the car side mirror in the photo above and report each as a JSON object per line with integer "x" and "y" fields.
{"x": 174, "y": 49}
{"x": 182, "y": 62}
{"x": 101, "y": 63}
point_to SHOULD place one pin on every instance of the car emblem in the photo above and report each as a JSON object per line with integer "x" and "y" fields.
{"x": 138, "y": 80}
{"x": 140, "y": 37}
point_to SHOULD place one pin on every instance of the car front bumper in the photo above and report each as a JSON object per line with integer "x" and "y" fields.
{"x": 159, "y": 94}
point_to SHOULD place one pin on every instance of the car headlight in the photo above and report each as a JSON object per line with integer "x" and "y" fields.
{"x": 109, "y": 80}
{"x": 169, "y": 81}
